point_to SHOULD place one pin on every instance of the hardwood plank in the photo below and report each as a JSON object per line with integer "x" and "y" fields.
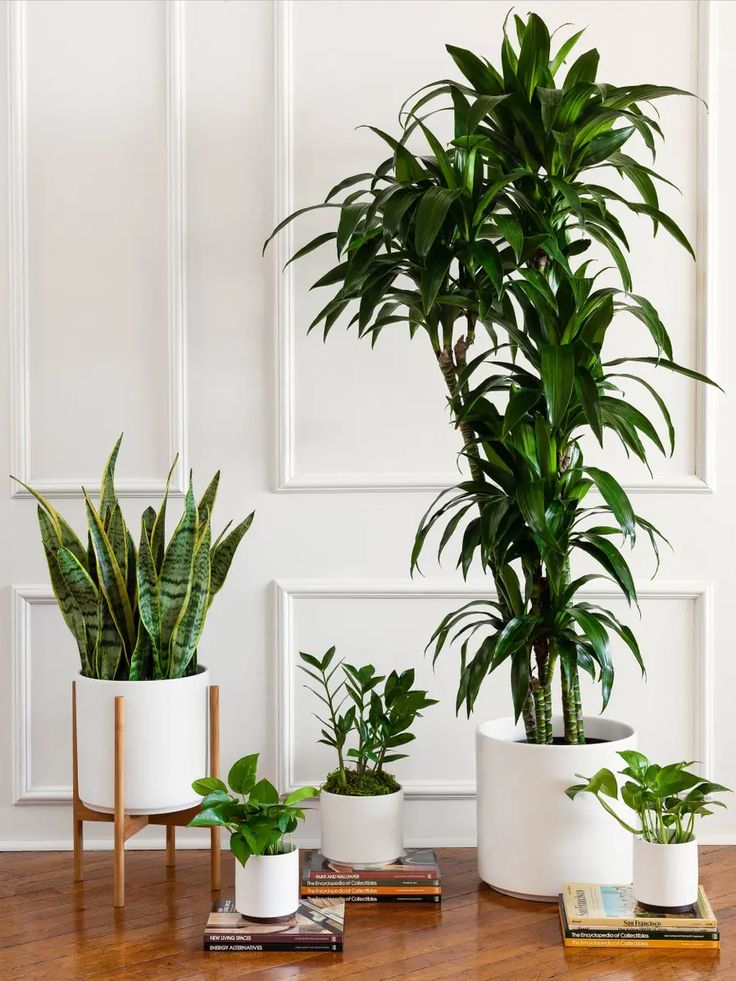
{"x": 52, "y": 928}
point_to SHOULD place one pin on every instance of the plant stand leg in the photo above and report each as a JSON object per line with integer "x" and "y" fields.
{"x": 77, "y": 823}
{"x": 119, "y": 859}
{"x": 215, "y": 862}
{"x": 170, "y": 846}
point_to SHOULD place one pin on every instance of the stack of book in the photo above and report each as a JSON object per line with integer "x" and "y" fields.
{"x": 609, "y": 916}
{"x": 317, "y": 925}
{"x": 413, "y": 878}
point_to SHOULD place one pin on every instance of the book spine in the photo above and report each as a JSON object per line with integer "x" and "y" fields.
{"x": 257, "y": 947}
{"x": 393, "y": 899}
{"x": 624, "y": 923}
{"x": 647, "y": 944}
{"x": 370, "y": 890}
{"x": 371, "y": 875}
{"x": 213, "y": 937}
{"x": 643, "y": 934}
{"x": 339, "y": 881}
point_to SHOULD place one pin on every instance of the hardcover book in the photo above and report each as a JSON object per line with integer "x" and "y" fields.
{"x": 415, "y": 877}
{"x": 591, "y": 905}
{"x": 646, "y": 937}
{"x": 318, "y": 924}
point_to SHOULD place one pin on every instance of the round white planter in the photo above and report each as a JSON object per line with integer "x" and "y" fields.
{"x": 165, "y": 742}
{"x": 531, "y": 836}
{"x": 267, "y": 886}
{"x": 665, "y": 876}
{"x": 362, "y": 830}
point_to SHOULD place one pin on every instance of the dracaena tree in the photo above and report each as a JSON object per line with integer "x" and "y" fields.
{"x": 489, "y": 233}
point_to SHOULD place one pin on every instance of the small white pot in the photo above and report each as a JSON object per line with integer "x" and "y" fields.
{"x": 267, "y": 886}
{"x": 665, "y": 876}
{"x": 531, "y": 836}
{"x": 165, "y": 742}
{"x": 362, "y": 830}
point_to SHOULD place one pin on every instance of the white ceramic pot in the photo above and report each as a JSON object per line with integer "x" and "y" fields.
{"x": 362, "y": 830}
{"x": 267, "y": 886}
{"x": 165, "y": 742}
{"x": 665, "y": 876}
{"x": 531, "y": 836}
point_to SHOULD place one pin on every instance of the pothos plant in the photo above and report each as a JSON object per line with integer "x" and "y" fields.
{"x": 137, "y": 615}
{"x": 493, "y": 233}
{"x": 665, "y": 799}
{"x": 258, "y": 819}
{"x": 381, "y": 711}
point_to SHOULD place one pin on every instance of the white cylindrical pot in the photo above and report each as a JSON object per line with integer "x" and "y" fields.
{"x": 362, "y": 830}
{"x": 531, "y": 836}
{"x": 665, "y": 876}
{"x": 267, "y": 886}
{"x": 165, "y": 742}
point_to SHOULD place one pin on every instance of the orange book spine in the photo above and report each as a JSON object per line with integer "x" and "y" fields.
{"x": 647, "y": 944}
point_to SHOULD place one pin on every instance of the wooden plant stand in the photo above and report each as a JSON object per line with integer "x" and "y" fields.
{"x": 126, "y": 825}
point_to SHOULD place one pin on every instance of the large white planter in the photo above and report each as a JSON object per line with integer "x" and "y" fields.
{"x": 267, "y": 886}
{"x": 165, "y": 742}
{"x": 362, "y": 830}
{"x": 531, "y": 836}
{"x": 665, "y": 876}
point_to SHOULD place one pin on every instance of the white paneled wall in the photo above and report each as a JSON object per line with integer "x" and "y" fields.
{"x": 150, "y": 146}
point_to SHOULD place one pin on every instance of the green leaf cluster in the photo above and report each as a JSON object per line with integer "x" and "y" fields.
{"x": 137, "y": 614}
{"x": 666, "y": 799}
{"x": 258, "y": 818}
{"x": 380, "y": 712}
{"x": 490, "y": 235}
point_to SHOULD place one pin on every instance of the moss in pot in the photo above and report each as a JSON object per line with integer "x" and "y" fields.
{"x": 666, "y": 800}
{"x": 362, "y": 805}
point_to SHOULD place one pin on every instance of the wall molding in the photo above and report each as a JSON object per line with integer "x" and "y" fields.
{"x": 287, "y": 591}
{"x": 25, "y": 791}
{"x": 20, "y": 381}
{"x": 289, "y": 480}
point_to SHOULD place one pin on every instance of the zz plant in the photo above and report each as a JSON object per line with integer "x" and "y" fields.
{"x": 496, "y": 233}
{"x": 378, "y": 720}
{"x": 665, "y": 799}
{"x": 137, "y": 615}
{"x": 259, "y": 821}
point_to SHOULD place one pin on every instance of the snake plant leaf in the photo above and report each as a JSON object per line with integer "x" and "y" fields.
{"x": 148, "y": 595}
{"x": 188, "y": 630}
{"x": 65, "y": 533}
{"x": 157, "y": 537}
{"x": 175, "y": 577}
{"x": 223, "y": 554}
{"x": 143, "y": 663}
{"x": 207, "y": 501}
{"x": 109, "y": 649}
{"x": 111, "y": 579}
{"x": 69, "y": 609}
{"x": 82, "y": 589}
{"x": 117, "y": 534}
{"x": 108, "y": 498}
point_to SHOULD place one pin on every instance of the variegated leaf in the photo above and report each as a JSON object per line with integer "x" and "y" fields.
{"x": 109, "y": 649}
{"x": 157, "y": 537}
{"x": 148, "y": 598}
{"x": 111, "y": 579}
{"x": 66, "y": 534}
{"x": 142, "y": 663}
{"x": 222, "y": 554}
{"x": 108, "y": 498}
{"x": 176, "y": 572}
{"x": 69, "y": 610}
{"x": 187, "y": 632}
{"x": 207, "y": 502}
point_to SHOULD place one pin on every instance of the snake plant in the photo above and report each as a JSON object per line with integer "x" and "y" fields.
{"x": 489, "y": 235}
{"x": 137, "y": 615}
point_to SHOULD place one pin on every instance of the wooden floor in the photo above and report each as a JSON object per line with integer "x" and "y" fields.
{"x": 52, "y": 928}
